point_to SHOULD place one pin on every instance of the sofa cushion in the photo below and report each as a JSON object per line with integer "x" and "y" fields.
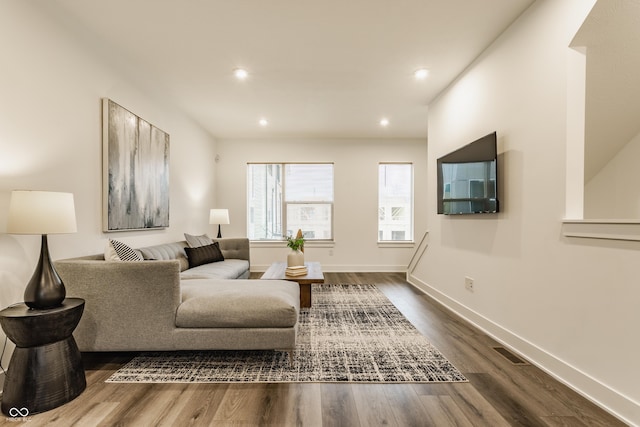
{"x": 229, "y": 269}
{"x": 197, "y": 241}
{"x": 237, "y": 248}
{"x": 166, "y": 252}
{"x": 238, "y": 304}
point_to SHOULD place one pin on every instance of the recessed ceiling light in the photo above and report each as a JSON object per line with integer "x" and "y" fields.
{"x": 240, "y": 73}
{"x": 263, "y": 122}
{"x": 421, "y": 74}
{"x": 384, "y": 122}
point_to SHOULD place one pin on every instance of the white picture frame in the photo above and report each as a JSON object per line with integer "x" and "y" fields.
{"x": 135, "y": 171}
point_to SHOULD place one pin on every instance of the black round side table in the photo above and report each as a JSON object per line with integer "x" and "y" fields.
{"x": 46, "y": 369}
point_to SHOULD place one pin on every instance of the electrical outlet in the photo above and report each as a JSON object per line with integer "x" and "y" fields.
{"x": 330, "y": 252}
{"x": 468, "y": 283}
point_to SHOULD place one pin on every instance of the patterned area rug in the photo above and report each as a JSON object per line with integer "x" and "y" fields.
{"x": 353, "y": 333}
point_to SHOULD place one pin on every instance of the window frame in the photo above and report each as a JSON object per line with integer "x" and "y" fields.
{"x": 284, "y": 204}
{"x": 389, "y": 215}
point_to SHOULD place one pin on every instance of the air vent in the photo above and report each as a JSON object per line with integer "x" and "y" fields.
{"x": 510, "y": 356}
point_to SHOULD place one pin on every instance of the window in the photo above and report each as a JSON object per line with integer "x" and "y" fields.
{"x": 395, "y": 202}
{"x": 287, "y": 197}
{"x": 398, "y": 213}
{"x": 397, "y": 235}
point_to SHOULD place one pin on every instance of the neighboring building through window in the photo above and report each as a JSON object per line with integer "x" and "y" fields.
{"x": 395, "y": 202}
{"x": 286, "y": 197}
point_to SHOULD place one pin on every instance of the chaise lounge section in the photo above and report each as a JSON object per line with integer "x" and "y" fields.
{"x": 161, "y": 304}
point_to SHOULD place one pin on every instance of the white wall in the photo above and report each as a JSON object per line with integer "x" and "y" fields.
{"x": 356, "y": 196}
{"x": 50, "y": 139}
{"x": 615, "y": 191}
{"x": 569, "y": 305}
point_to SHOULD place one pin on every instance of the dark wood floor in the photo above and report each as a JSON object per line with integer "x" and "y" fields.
{"x": 499, "y": 392}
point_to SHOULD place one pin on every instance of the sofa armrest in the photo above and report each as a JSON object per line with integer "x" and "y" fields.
{"x": 235, "y": 247}
{"x": 125, "y": 302}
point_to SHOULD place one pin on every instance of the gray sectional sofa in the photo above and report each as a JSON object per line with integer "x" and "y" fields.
{"x": 162, "y": 304}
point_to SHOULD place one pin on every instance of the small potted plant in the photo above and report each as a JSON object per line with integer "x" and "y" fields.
{"x": 296, "y": 256}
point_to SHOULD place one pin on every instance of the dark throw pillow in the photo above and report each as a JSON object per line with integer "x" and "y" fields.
{"x": 204, "y": 255}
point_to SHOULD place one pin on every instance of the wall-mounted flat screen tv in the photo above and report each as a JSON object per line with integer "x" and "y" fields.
{"x": 468, "y": 178}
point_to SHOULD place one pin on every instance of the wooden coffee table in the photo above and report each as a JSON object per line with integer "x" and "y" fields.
{"x": 314, "y": 275}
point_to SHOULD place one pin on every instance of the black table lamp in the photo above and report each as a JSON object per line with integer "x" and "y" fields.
{"x": 42, "y": 212}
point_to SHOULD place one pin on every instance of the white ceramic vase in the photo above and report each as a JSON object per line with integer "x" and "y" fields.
{"x": 295, "y": 258}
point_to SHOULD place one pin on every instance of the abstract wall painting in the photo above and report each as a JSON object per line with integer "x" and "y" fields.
{"x": 135, "y": 171}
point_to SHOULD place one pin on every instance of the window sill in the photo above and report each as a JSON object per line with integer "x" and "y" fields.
{"x": 396, "y": 244}
{"x": 606, "y": 229}
{"x": 283, "y": 244}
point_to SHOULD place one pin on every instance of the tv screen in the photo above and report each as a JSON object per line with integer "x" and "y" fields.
{"x": 468, "y": 178}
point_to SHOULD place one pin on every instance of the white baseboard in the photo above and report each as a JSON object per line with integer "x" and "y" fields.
{"x": 619, "y": 405}
{"x": 339, "y": 268}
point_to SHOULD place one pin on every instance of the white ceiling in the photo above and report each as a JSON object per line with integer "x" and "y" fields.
{"x": 330, "y": 68}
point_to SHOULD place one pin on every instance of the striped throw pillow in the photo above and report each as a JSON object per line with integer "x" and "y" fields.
{"x": 125, "y": 253}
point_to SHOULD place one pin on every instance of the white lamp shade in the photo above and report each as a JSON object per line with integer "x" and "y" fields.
{"x": 41, "y": 212}
{"x": 219, "y": 216}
